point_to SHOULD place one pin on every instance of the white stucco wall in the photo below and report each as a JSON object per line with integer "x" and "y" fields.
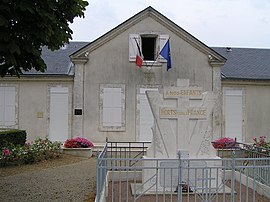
{"x": 33, "y": 100}
{"x": 256, "y": 107}
{"x": 257, "y": 112}
{"x": 109, "y": 64}
{"x": 33, "y": 103}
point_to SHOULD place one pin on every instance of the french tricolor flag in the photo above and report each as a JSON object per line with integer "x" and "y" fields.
{"x": 139, "y": 56}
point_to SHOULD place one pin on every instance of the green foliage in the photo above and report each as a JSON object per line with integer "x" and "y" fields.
{"x": 16, "y": 137}
{"x": 29, "y": 153}
{"x": 26, "y": 26}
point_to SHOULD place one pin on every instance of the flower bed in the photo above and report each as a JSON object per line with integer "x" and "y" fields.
{"x": 224, "y": 143}
{"x": 261, "y": 142}
{"x": 78, "y": 142}
{"x": 78, "y": 147}
{"x": 261, "y": 146}
{"x": 29, "y": 153}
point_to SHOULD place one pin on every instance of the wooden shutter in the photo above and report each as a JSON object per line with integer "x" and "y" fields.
{"x": 133, "y": 46}
{"x": 7, "y": 106}
{"x": 58, "y": 113}
{"x": 112, "y": 107}
{"x": 234, "y": 114}
{"x": 162, "y": 40}
{"x": 2, "y": 106}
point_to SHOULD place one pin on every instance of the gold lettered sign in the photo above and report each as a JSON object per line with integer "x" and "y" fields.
{"x": 175, "y": 113}
{"x": 189, "y": 92}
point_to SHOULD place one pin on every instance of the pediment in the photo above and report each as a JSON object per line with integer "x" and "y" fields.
{"x": 215, "y": 59}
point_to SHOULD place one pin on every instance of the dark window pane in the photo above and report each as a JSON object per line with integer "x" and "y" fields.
{"x": 148, "y": 48}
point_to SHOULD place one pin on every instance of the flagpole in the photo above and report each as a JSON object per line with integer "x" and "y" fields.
{"x": 139, "y": 48}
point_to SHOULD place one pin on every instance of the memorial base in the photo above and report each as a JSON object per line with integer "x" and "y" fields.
{"x": 196, "y": 175}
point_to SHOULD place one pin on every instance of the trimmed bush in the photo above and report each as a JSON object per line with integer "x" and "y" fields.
{"x": 15, "y": 137}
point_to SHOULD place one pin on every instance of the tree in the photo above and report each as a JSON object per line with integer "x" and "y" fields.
{"x": 27, "y": 25}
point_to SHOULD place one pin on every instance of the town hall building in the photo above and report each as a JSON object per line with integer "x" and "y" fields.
{"x": 95, "y": 90}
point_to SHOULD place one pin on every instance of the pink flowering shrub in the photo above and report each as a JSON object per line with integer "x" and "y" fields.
{"x": 39, "y": 150}
{"x": 6, "y": 152}
{"x": 261, "y": 142}
{"x": 78, "y": 142}
{"x": 224, "y": 142}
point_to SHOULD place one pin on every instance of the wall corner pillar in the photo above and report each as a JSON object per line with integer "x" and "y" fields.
{"x": 78, "y": 97}
{"x": 217, "y": 113}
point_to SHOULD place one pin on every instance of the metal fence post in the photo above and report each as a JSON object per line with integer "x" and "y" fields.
{"x": 232, "y": 176}
{"x": 179, "y": 187}
{"x": 97, "y": 178}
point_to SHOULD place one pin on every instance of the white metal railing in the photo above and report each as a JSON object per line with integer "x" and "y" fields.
{"x": 251, "y": 154}
{"x": 139, "y": 179}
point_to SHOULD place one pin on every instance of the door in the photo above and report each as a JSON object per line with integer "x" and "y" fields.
{"x": 146, "y": 119}
{"x": 234, "y": 114}
{"x": 58, "y": 114}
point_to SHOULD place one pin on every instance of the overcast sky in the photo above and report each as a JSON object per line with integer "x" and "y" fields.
{"x": 234, "y": 23}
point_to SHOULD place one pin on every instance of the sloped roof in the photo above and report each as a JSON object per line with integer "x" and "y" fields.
{"x": 58, "y": 62}
{"x": 242, "y": 63}
{"x": 245, "y": 63}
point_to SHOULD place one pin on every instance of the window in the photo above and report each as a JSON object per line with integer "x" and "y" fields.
{"x": 150, "y": 46}
{"x": 7, "y": 106}
{"x": 112, "y": 107}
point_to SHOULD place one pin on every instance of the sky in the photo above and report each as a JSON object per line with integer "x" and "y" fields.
{"x": 217, "y": 23}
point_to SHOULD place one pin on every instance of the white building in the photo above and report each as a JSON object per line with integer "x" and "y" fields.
{"x": 102, "y": 92}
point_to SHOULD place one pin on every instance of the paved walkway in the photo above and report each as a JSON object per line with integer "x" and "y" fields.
{"x": 71, "y": 182}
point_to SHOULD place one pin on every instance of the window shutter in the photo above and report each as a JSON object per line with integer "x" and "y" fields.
{"x": 2, "y": 106}
{"x": 133, "y": 46}
{"x": 7, "y": 106}
{"x": 162, "y": 40}
{"x": 112, "y": 107}
{"x": 234, "y": 114}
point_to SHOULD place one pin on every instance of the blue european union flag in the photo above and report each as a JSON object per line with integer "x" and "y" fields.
{"x": 166, "y": 53}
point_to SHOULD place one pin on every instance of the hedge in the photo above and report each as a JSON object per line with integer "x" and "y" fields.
{"x": 16, "y": 137}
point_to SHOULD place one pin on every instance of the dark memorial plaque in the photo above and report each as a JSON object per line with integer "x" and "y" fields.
{"x": 78, "y": 111}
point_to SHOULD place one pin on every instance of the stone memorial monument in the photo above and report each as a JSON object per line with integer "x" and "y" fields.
{"x": 183, "y": 117}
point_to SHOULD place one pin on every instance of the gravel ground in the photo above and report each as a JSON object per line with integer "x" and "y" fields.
{"x": 65, "y": 179}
